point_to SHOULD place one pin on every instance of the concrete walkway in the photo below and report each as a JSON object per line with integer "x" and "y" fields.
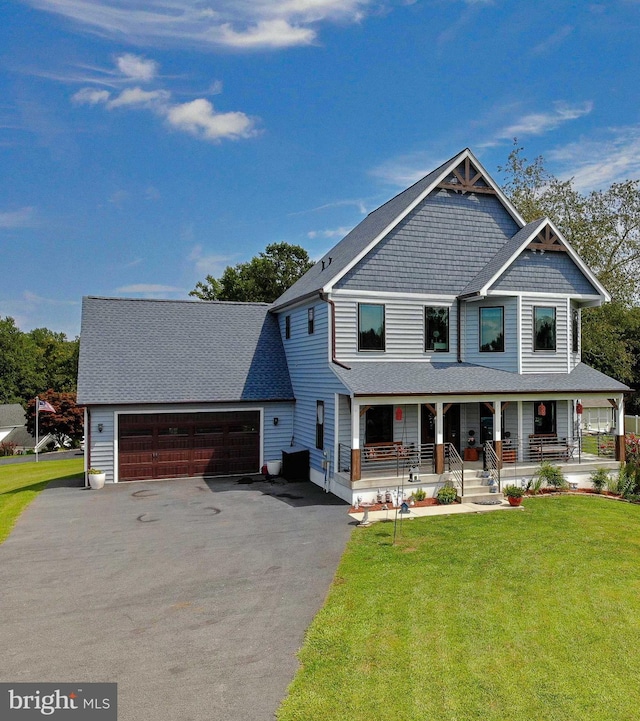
{"x": 445, "y": 510}
{"x": 193, "y": 596}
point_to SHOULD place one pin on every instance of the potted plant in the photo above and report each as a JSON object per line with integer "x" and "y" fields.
{"x": 96, "y": 478}
{"x": 514, "y": 495}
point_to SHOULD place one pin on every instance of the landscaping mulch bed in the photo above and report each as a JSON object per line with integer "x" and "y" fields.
{"x": 391, "y": 507}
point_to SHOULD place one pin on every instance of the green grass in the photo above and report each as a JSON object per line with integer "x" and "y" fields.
{"x": 504, "y": 616}
{"x": 20, "y": 483}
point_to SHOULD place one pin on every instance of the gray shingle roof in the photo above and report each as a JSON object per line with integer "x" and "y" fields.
{"x": 358, "y": 239}
{"x": 502, "y": 256}
{"x": 406, "y": 378}
{"x": 11, "y": 415}
{"x": 164, "y": 351}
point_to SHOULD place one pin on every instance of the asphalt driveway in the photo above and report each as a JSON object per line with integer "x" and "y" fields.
{"x": 192, "y": 595}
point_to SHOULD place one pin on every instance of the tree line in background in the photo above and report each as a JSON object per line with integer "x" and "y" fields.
{"x": 603, "y": 226}
{"x": 45, "y": 364}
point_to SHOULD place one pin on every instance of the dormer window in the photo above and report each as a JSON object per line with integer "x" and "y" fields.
{"x": 370, "y": 327}
{"x": 544, "y": 333}
{"x": 436, "y": 320}
{"x": 492, "y": 330}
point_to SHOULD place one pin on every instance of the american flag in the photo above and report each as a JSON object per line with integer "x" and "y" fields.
{"x": 45, "y": 406}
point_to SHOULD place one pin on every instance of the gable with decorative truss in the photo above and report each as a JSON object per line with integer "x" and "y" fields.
{"x": 466, "y": 178}
{"x": 547, "y": 240}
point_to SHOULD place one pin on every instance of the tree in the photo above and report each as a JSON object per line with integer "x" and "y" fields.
{"x": 31, "y": 362}
{"x": 604, "y": 228}
{"x": 66, "y": 423}
{"x": 262, "y": 279}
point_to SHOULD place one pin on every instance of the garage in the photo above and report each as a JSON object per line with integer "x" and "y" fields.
{"x": 176, "y": 445}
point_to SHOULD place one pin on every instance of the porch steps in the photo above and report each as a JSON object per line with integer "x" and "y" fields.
{"x": 476, "y": 489}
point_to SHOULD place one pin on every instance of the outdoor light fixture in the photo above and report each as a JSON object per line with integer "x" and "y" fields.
{"x": 100, "y": 427}
{"x": 276, "y": 421}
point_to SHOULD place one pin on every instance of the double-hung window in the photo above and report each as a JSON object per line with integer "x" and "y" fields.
{"x": 544, "y": 328}
{"x": 370, "y": 326}
{"x": 436, "y": 329}
{"x": 492, "y": 329}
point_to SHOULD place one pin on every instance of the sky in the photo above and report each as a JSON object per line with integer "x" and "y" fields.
{"x": 144, "y": 145}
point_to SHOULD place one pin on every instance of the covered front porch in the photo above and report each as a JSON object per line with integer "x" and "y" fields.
{"x": 432, "y": 440}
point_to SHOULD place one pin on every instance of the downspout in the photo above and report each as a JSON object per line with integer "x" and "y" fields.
{"x": 459, "y": 329}
{"x": 326, "y": 299}
{"x": 87, "y": 447}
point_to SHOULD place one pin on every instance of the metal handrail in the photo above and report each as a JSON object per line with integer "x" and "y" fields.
{"x": 456, "y": 465}
{"x": 492, "y": 463}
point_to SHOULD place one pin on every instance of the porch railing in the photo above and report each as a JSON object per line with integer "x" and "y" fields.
{"x": 389, "y": 458}
{"x": 492, "y": 463}
{"x": 455, "y": 465}
{"x": 536, "y": 448}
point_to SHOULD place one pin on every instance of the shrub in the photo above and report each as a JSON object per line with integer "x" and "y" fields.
{"x": 7, "y": 448}
{"x": 600, "y": 478}
{"x": 447, "y": 494}
{"x": 514, "y": 491}
{"x": 533, "y": 486}
{"x": 419, "y": 495}
{"x": 552, "y": 476}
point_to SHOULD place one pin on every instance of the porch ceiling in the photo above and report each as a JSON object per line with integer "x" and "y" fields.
{"x": 411, "y": 378}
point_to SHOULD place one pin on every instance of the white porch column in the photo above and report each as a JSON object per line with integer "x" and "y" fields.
{"x": 439, "y": 449}
{"x": 355, "y": 423}
{"x": 520, "y": 432}
{"x": 439, "y": 423}
{"x": 355, "y": 440}
{"x": 621, "y": 452}
{"x": 497, "y": 429}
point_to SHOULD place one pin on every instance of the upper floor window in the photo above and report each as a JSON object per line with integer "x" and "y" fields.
{"x": 575, "y": 330}
{"x": 492, "y": 329}
{"x": 370, "y": 326}
{"x": 287, "y": 326}
{"x": 310, "y": 320}
{"x": 544, "y": 328}
{"x": 436, "y": 329}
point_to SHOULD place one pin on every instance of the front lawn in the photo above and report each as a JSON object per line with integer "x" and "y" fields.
{"x": 20, "y": 483}
{"x": 507, "y": 616}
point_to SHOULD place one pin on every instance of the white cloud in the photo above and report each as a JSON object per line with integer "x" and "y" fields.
{"x": 245, "y": 24}
{"x": 91, "y": 96}
{"x": 595, "y": 163}
{"x": 267, "y": 33}
{"x": 132, "y": 97}
{"x": 539, "y": 123}
{"x": 208, "y": 264}
{"x": 199, "y": 118}
{"x": 333, "y": 233}
{"x": 406, "y": 169}
{"x": 35, "y": 299}
{"x": 554, "y": 40}
{"x": 21, "y": 218}
{"x": 137, "y": 67}
{"x": 148, "y": 288}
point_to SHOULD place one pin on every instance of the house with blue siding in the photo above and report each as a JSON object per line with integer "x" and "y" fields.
{"x": 440, "y": 336}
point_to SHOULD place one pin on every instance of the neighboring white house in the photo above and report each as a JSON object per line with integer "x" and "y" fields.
{"x": 442, "y": 317}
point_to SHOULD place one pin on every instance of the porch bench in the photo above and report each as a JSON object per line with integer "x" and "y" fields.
{"x": 386, "y": 451}
{"x": 543, "y": 445}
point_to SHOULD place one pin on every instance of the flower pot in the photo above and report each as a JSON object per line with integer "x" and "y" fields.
{"x": 274, "y": 468}
{"x": 96, "y": 480}
{"x": 514, "y": 501}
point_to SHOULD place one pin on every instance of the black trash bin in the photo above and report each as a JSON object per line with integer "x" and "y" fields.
{"x": 295, "y": 463}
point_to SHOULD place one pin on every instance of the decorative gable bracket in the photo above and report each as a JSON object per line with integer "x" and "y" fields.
{"x": 466, "y": 178}
{"x": 546, "y": 240}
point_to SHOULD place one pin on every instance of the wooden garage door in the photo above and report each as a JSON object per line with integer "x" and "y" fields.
{"x": 174, "y": 445}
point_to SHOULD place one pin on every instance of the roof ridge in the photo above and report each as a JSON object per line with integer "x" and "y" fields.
{"x": 180, "y": 300}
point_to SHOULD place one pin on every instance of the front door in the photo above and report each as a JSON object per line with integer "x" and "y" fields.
{"x": 486, "y": 424}
{"x": 451, "y": 425}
